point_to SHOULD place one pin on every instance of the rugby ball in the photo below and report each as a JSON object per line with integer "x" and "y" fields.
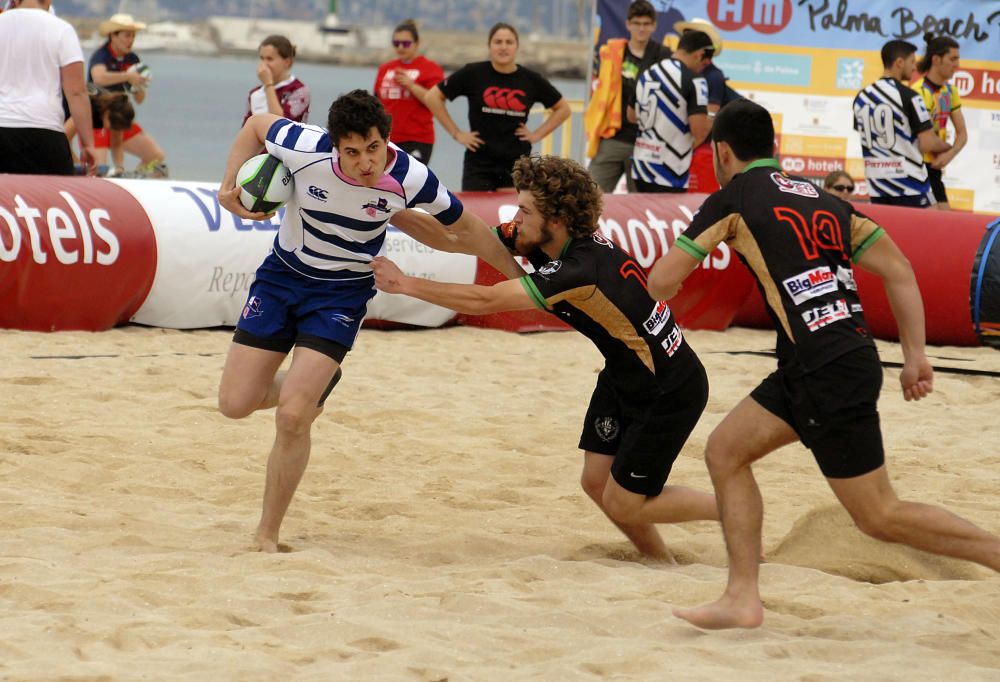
{"x": 265, "y": 184}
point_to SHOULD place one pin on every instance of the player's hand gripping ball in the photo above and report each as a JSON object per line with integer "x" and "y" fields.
{"x": 265, "y": 184}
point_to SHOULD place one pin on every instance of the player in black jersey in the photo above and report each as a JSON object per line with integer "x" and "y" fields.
{"x": 800, "y": 244}
{"x": 652, "y": 389}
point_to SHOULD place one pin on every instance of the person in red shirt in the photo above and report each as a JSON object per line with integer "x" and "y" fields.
{"x": 279, "y": 93}
{"x": 401, "y": 84}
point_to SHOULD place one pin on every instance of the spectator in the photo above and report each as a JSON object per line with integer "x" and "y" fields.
{"x": 610, "y": 135}
{"x": 939, "y": 63}
{"x": 114, "y": 67}
{"x": 401, "y": 85}
{"x": 839, "y": 184}
{"x": 500, "y": 94}
{"x": 662, "y": 156}
{"x": 40, "y": 59}
{"x": 279, "y": 93}
{"x": 895, "y": 129}
{"x": 112, "y": 114}
{"x": 702, "y": 178}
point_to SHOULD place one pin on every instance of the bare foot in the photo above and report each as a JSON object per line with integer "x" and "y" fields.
{"x": 725, "y": 613}
{"x": 660, "y": 559}
{"x": 262, "y": 543}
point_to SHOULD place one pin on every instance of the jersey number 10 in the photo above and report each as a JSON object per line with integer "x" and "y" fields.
{"x": 822, "y": 232}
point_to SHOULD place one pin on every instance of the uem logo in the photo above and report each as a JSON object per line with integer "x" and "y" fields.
{"x": 763, "y": 16}
{"x": 504, "y": 98}
{"x": 963, "y": 82}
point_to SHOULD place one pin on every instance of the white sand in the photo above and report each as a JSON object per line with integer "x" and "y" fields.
{"x": 440, "y": 532}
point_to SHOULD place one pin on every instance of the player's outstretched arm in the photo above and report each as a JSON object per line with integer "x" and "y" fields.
{"x": 247, "y": 143}
{"x": 669, "y": 272}
{"x": 885, "y": 259}
{"x": 471, "y": 299}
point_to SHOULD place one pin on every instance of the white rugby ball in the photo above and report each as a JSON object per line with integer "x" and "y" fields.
{"x": 265, "y": 184}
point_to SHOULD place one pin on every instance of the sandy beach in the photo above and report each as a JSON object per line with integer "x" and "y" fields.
{"x": 440, "y": 532}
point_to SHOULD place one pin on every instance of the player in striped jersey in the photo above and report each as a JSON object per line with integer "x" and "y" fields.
{"x": 670, "y": 108}
{"x": 896, "y": 131}
{"x": 312, "y": 290}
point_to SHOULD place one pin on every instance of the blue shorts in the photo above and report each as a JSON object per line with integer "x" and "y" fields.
{"x": 284, "y": 305}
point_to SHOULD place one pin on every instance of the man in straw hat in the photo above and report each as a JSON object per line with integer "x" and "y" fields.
{"x": 719, "y": 94}
{"x": 115, "y": 67}
{"x": 40, "y": 57}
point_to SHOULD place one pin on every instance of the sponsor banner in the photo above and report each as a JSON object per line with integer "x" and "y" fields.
{"x": 75, "y": 253}
{"x": 806, "y": 59}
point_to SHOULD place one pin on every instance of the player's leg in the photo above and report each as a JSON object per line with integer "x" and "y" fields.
{"x": 745, "y": 435}
{"x": 250, "y": 380}
{"x": 298, "y": 406}
{"x": 149, "y": 152}
{"x": 636, "y": 491}
{"x": 876, "y": 510}
{"x": 595, "y": 479}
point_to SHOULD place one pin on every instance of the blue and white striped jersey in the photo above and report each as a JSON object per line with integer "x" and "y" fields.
{"x": 665, "y": 96}
{"x": 889, "y": 116}
{"x": 333, "y": 227}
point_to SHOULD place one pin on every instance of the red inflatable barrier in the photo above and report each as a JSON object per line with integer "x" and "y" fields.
{"x": 941, "y": 247}
{"x": 644, "y": 225}
{"x": 75, "y": 253}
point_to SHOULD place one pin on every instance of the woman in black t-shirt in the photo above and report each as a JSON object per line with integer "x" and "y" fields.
{"x": 500, "y": 94}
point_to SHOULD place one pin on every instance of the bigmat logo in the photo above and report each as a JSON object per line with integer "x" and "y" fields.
{"x": 75, "y": 253}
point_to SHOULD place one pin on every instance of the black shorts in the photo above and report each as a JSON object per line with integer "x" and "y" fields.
{"x": 485, "y": 174}
{"x": 912, "y": 201}
{"x": 34, "y": 151}
{"x": 644, "y": 187}
{"x": 327, "y": 347}
{"x": 645, "y": 438}
{"x": 833, "y": 410}
{"x": 421, "y": 151}
{"x": 935, "y": 177}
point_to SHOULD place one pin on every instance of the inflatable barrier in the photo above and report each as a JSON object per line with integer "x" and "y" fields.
{"x": 941, "y": 247}
{"x": 89, "y": 253}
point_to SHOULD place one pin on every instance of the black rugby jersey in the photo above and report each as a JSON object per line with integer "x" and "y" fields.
{"x": 799, "y": 243}
{"x": 600, "y": 291}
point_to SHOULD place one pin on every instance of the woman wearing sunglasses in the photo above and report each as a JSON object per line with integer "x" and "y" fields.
{"x": 840, "y": 184}
{"x": 401, "y": 85}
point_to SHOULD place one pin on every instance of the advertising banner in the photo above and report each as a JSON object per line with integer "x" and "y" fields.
{"x": 805, "y": 60}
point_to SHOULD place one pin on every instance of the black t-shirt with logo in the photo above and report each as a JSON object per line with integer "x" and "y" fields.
{"x": 599, "y": 290}
{"x": 799, "y": 243}
{"x": 498, "y": 104}
{"x": 632, "y": 68}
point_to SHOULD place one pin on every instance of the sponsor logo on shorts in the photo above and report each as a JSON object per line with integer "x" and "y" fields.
{"x": 673, "y": 341}
{"x": 550, "y": 268}
{"x": 374, "y": 207}
{"x": 318, "y": 192}
{"x": 801, "y": 187}
{"x": 253, "y": 308}
{"x": 846, "y": 277}
{"x": 810, "y": 284}
{"x": 607, "y": 428}
{"x": 657, "y": 320}
{"x": 340, "y": 318}
{"x": 817, "y": 318}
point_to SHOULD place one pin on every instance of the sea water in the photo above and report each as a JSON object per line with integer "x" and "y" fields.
{"x": 195, "y": 105}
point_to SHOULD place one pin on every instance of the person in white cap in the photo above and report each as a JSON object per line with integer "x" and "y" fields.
{"x": 40, "y": 60}
{"x": 114, "y": 67}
